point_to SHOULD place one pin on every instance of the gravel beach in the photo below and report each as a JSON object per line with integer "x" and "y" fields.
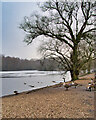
{"x": 52, "y": 102}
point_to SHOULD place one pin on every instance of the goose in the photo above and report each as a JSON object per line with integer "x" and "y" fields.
{"x": 66, "y": 85}
{"x": 64, "y": 79}
{"x": 31, "y": 85}
{"x": 91, "y": 82}
{"x": 74, "y": 84}
{"x": 91, "y": 86}
{"x": 88, "y": 88}
{"x": 16, "y": 92}
{"x": 54, "y": 81}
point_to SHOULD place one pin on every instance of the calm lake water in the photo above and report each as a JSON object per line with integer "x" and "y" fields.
{"x": 29, "y": 80}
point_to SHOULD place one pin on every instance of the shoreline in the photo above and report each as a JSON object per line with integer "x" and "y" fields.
{"x": 30, "y": 91}
{"x": 82, "y": 77}
{"x": 51, "y": 102}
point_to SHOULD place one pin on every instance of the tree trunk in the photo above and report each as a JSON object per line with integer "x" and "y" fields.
{"x": 74, "y": 59}
{"x": 89, "y": 66}
{"x": 74, "y": 75}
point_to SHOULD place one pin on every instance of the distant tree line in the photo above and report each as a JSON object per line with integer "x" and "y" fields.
{"x": 13, "y": 63}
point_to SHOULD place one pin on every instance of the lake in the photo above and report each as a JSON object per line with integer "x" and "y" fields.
{"x": 29, "y": 80}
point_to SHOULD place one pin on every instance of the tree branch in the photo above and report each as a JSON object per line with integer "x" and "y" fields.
{"x": 89, "y": 30}
{"x": 52, "y": 35}
{"x": 67, "y": 24}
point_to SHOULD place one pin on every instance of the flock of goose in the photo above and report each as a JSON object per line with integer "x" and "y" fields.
{"x": 91, "y": 85}
{"x": 67, "y": 85}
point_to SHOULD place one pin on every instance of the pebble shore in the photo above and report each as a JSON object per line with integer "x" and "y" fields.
{"x": 52, "y": 102}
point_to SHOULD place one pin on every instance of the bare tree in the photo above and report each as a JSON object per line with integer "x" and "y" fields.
{"x": 61, "y": 52}
{"x": 66, "y": 22}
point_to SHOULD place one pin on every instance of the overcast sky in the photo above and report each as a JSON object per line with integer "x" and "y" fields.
{"x": 12, "y": 37}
